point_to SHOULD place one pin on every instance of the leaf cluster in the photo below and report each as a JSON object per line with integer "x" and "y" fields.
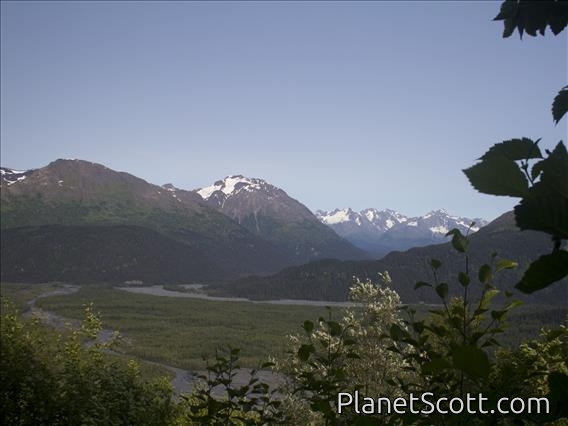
{"x": 452, "y": 351}
{"x": 504, "y": 168}
{"x": 533, "y": 17}
{"x": 219, "y": 400}
{"x": 517, "y": 168}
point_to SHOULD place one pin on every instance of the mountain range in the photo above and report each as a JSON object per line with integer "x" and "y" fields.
{"x": 44, "y": 211}
{"x": 268, "y": 212}
{"x": 330, "y": 279}
{"x": 77, "y": 221}
{"x": 382, "y": 231}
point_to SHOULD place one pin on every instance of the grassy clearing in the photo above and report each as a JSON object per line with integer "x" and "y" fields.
{"x": 19, "y": 294}
{"x": 180, "y": 332}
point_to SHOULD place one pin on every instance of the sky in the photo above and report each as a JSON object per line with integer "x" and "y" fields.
{"x": 341, "y": 104}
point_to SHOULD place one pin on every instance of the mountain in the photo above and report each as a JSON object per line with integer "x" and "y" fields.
{"x": 270, "y": 213}
{"x": 10, "y": 176}
{"x": 382, "y": 231}
{"x": 76, "y": 193}
{"x": 331, "y": 279}
{"x": 101, "y": 253}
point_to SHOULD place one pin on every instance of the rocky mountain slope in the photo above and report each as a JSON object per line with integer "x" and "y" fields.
{"x": 270, "y": 213}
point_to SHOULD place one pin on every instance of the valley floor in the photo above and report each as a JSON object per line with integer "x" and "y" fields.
{"x": 176, "y": 331}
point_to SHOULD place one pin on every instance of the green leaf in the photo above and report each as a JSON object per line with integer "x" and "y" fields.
{"x": 505, "y": 264}
{"x": 421, "y": 284}
{"x": 546, "y": 213}
{"x": 472, "y": 361}
{"x": 463, "y": 279}
{"x": 321, "y": 406}
{"x": 558, "y": 395}
{"x": 513, "y": 305}
{"x": 442, "y": 290}
{"x": 532, "y": 17}
{"x": 459, "y": 242}
{"x": 560, "y": 105}
{"x": 497, "y": 315}
{"x": 305, "y": 351}
{"x": 485, "y": 274}
{"x": 418, "y": 326}
{"x": 498, "y": 176}
{"x": 486, "y": 299}
{"x": 308, "y": 326}
{"x": 514, "y": 149}
{"x": 554, "y": 174}
{"x": 435, "y": 263}
{"x": 537, "y": 169}
{"x": 397, "y": 333}
{"x": 508, "y": 10}
{"x": 544, "y": 271}
{"x": 334, "y": 328}
{"x": 435, "y": 365}
{"x": 555, "y": 171}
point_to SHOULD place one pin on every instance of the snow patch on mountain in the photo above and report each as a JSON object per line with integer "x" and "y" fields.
{"x": 232, "y": 185}
{"x": 368, "y": 222}
{"x": 336, "y": 216}
{"x": 11, "y": 176}
{"x": 439, "y": 230}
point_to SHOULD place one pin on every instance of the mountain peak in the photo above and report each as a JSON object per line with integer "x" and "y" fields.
{"x": 232, "y": 185}
{"x": 336, "y": 216}
{"x": 267, "y": 211}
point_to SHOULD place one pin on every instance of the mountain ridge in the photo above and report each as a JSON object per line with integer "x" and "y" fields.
{"x": 269, "y": 212}
{"x": 80, "y": 193}
{"x": 382, "y": 231}
{"x": 330, "y": 279}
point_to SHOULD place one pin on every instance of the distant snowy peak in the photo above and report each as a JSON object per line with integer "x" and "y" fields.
{"x": 437, "y": 222}
{"x": 380, "y": 219}
{"x": 232, "y": 185}
{"x": 337, "y": 216}
{"x": 383, "y": 219}
{"x": 11, "y": 176}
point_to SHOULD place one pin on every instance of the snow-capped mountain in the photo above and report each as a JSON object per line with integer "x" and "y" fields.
{"x": 67, "y": 201}
{"x": 10, "y": 176}
{"x": 347, "y": 221}
{"x": 232, "y": 185}
{"x": 381, "y": 231}
{"x": 269, "y": 212}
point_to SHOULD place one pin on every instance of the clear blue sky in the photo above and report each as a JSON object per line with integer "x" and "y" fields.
{"x": 371, "y": 104}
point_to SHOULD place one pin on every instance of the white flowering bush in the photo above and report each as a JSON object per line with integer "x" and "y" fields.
{"x": 352, "y": 353}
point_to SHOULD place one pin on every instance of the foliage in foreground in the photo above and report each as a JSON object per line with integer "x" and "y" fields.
{"x": 48, "y": 378}
{"x": 219, "y": 400}
{"x": 453, "y": 351}
{"x": 506, "y": 169}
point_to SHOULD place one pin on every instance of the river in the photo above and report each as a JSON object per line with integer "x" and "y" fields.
{"x": 158, "y": 290}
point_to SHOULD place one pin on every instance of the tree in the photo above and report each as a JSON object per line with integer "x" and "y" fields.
{"x": 52, "y": 378}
